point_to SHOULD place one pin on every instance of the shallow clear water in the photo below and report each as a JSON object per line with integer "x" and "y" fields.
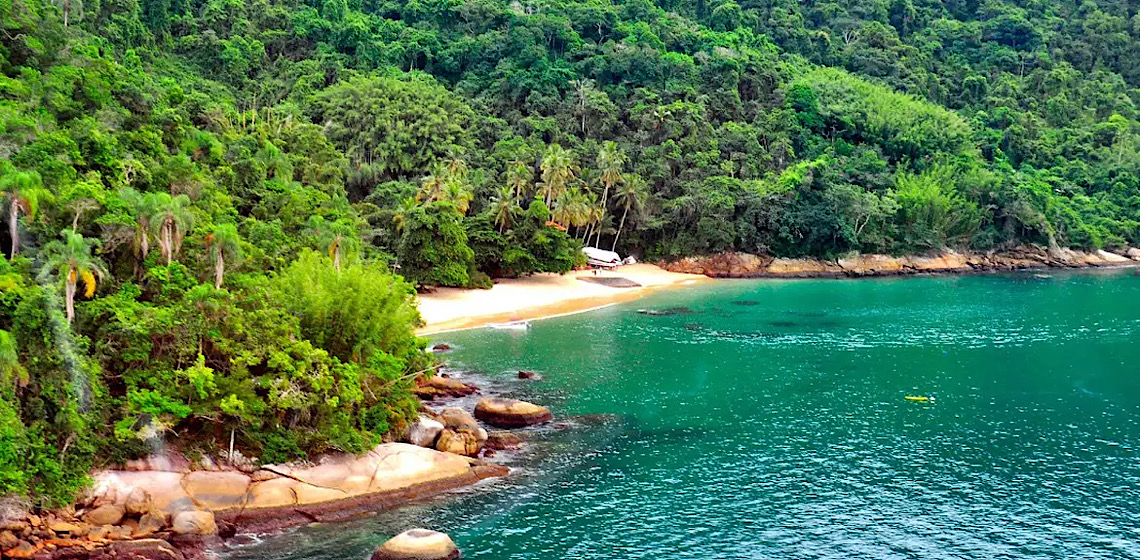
{"x": 766, "y": 419}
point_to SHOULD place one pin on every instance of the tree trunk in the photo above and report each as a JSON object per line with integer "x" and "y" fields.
{"x": 13, "y": 224}
{"x": 605, "y": 199}
{"x": 219, "y": 270}
{"x": 336, "y": 257}
{"x": 620, "y": 226}
{"x": 168, "y": 240}
{"x": 69, "y": 295}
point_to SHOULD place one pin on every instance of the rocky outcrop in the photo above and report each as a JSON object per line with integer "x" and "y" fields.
{"x": 739, "y": 265}
{"x": 442, "y": 387}
{"x": 417, "y": 544}
{"x": 511, "y": 413}
{"x": 195, "y": 523}
{"x": 723, "y": 265}
{"x": 276, "y": 496}
{"x": 461, "y": 443}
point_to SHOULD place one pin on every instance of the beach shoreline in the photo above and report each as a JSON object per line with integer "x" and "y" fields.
{"x": 542, "y": 296}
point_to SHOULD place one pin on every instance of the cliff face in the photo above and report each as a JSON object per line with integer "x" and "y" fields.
{"x": 745, "y": 265}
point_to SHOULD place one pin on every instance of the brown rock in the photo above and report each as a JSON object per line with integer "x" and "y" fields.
{"x": 803, "y": 268}
{"x": 8, "y": 540}
{"x": 458, "y": 419}
{"x": 117, "y": 533}
{"x": 149, "y": 524}
{"x": 526, "y": 374}
{"x": 195, "y": 523}
{"x": 417, "y": 544}
{"x": 16, "y": 526}
{"x": 98, "y": 533}
{"x": 69, "y": 529}
{"x": 146, "y": 549}
{"x": 35, "y": 520}
{"x": 502, "y": 440}
{"x": 511, "y": 413}
{"x": 23, "y": 549}
{"x": 138, "y": 502}
{"x": 110, "y": 514}
{"x": 439, "y": 386}
{"x": 460, "y": 443}
{"x": 441, "y": 347}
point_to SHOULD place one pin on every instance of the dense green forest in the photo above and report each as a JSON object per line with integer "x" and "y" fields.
{"x": 219, "y": 210}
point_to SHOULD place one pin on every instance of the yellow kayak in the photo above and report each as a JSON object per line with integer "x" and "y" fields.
{"x": 919, "y": 399}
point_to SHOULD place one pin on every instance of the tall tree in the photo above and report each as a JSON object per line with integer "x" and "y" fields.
{"x": 24, "y": 192}
{"x": 72, "y": 261}
{"x": 223, "y": 244}
{"x": 611, "y": 160}
{"x": 171, "y": 220}
{"x": 504, "y": 207}
{"x": 520, "y": 177}
{"x": 558, "y": 170}
{"x": 631, "y": 196}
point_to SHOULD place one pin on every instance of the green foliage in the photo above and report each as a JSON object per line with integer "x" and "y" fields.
{"x": 433, "y": 248}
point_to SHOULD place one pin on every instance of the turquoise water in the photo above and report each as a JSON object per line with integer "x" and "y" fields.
{"x": 766, "y": 419}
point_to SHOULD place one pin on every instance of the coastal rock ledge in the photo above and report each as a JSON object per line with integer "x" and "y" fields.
{"x": 279, "y": 496}
{"x": 417, "y": 544}
{"x": 745, "y": 265}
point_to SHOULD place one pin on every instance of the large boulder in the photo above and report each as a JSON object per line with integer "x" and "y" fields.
{"x": 424, "y": 432}
{"x": 458, "y": 419}
{"x": 460, "y": 443}
{"x": 511, "y": 413}
{"x": 439, "y": 386}
{"x": 195, "y": 523}
{"x": 417, "y": 544}
{"x": 110, "y": 514}
{"x": 138, "y": 502}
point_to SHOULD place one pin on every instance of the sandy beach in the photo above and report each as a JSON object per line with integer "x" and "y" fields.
{"x": 541, "y": 295}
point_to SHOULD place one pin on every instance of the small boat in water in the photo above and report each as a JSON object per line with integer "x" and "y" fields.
{"x": 513, "y": 325}
{"x": 914, "y": 398}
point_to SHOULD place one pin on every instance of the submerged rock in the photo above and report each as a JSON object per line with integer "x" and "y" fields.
{"x": 424, "y": 432}
{"x": 441, "y": 347}
{"x": 511, "y": 413}
{"x": 502, "y": 440}
{"x": 524, "y": 374}
{"x": 417, "y": 544}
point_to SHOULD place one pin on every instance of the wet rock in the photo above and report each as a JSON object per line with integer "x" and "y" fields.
{"x": 460, "y": 443}
{"x": 441, "y": 347}
{"x": 110, "y": 514}
{"x": 1133, "y": 253}
{"x": 98, "y": 533}
{"x": 417, "y": 544}
{"x": 195, "y": 523}
{"x": 439, "y": 386}
{"x": 8, "y": 539}
{"x": 523, "y": 374}
{"x": 502, "y": 440}
{"x": 424, "y": 431}
{"x": 511, "y": 413}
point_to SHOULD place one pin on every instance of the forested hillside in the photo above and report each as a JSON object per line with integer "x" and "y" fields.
{"x": 219, "y": 209}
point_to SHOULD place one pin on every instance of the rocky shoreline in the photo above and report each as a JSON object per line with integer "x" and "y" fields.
{"x": 159, "y": 508}
{"x": 747, "y": 265}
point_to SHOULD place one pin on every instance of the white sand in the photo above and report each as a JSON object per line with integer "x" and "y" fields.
{"x": 541, "y": 295}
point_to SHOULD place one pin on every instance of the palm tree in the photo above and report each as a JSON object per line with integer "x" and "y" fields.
{"x": 339, "y": 236}
{"x": 631, "y": 196}
{"x": 71, "y": 259}
{"x": 457, "y": 193}
{"x": 24, "y": 191}
{"x": 221, "y": 244}
{"x": 504, "y": 207}
{"x": 172, "y": 219}
{"x": 558, "y": 170}
{"x": 434, "y": 184}
{"x": 610, "y": 162}
{"x": 140, "y": 206}
{"x": 402, "y": 210}
{"x": 520, "y": 177}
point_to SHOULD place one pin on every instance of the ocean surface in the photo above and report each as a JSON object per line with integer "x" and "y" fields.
{"x": 767, "y": 419}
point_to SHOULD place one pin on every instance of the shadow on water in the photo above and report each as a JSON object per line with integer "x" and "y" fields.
{"x": 667, "y": 312}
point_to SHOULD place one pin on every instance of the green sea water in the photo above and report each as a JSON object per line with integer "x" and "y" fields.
{"x": 767, "y": 419}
